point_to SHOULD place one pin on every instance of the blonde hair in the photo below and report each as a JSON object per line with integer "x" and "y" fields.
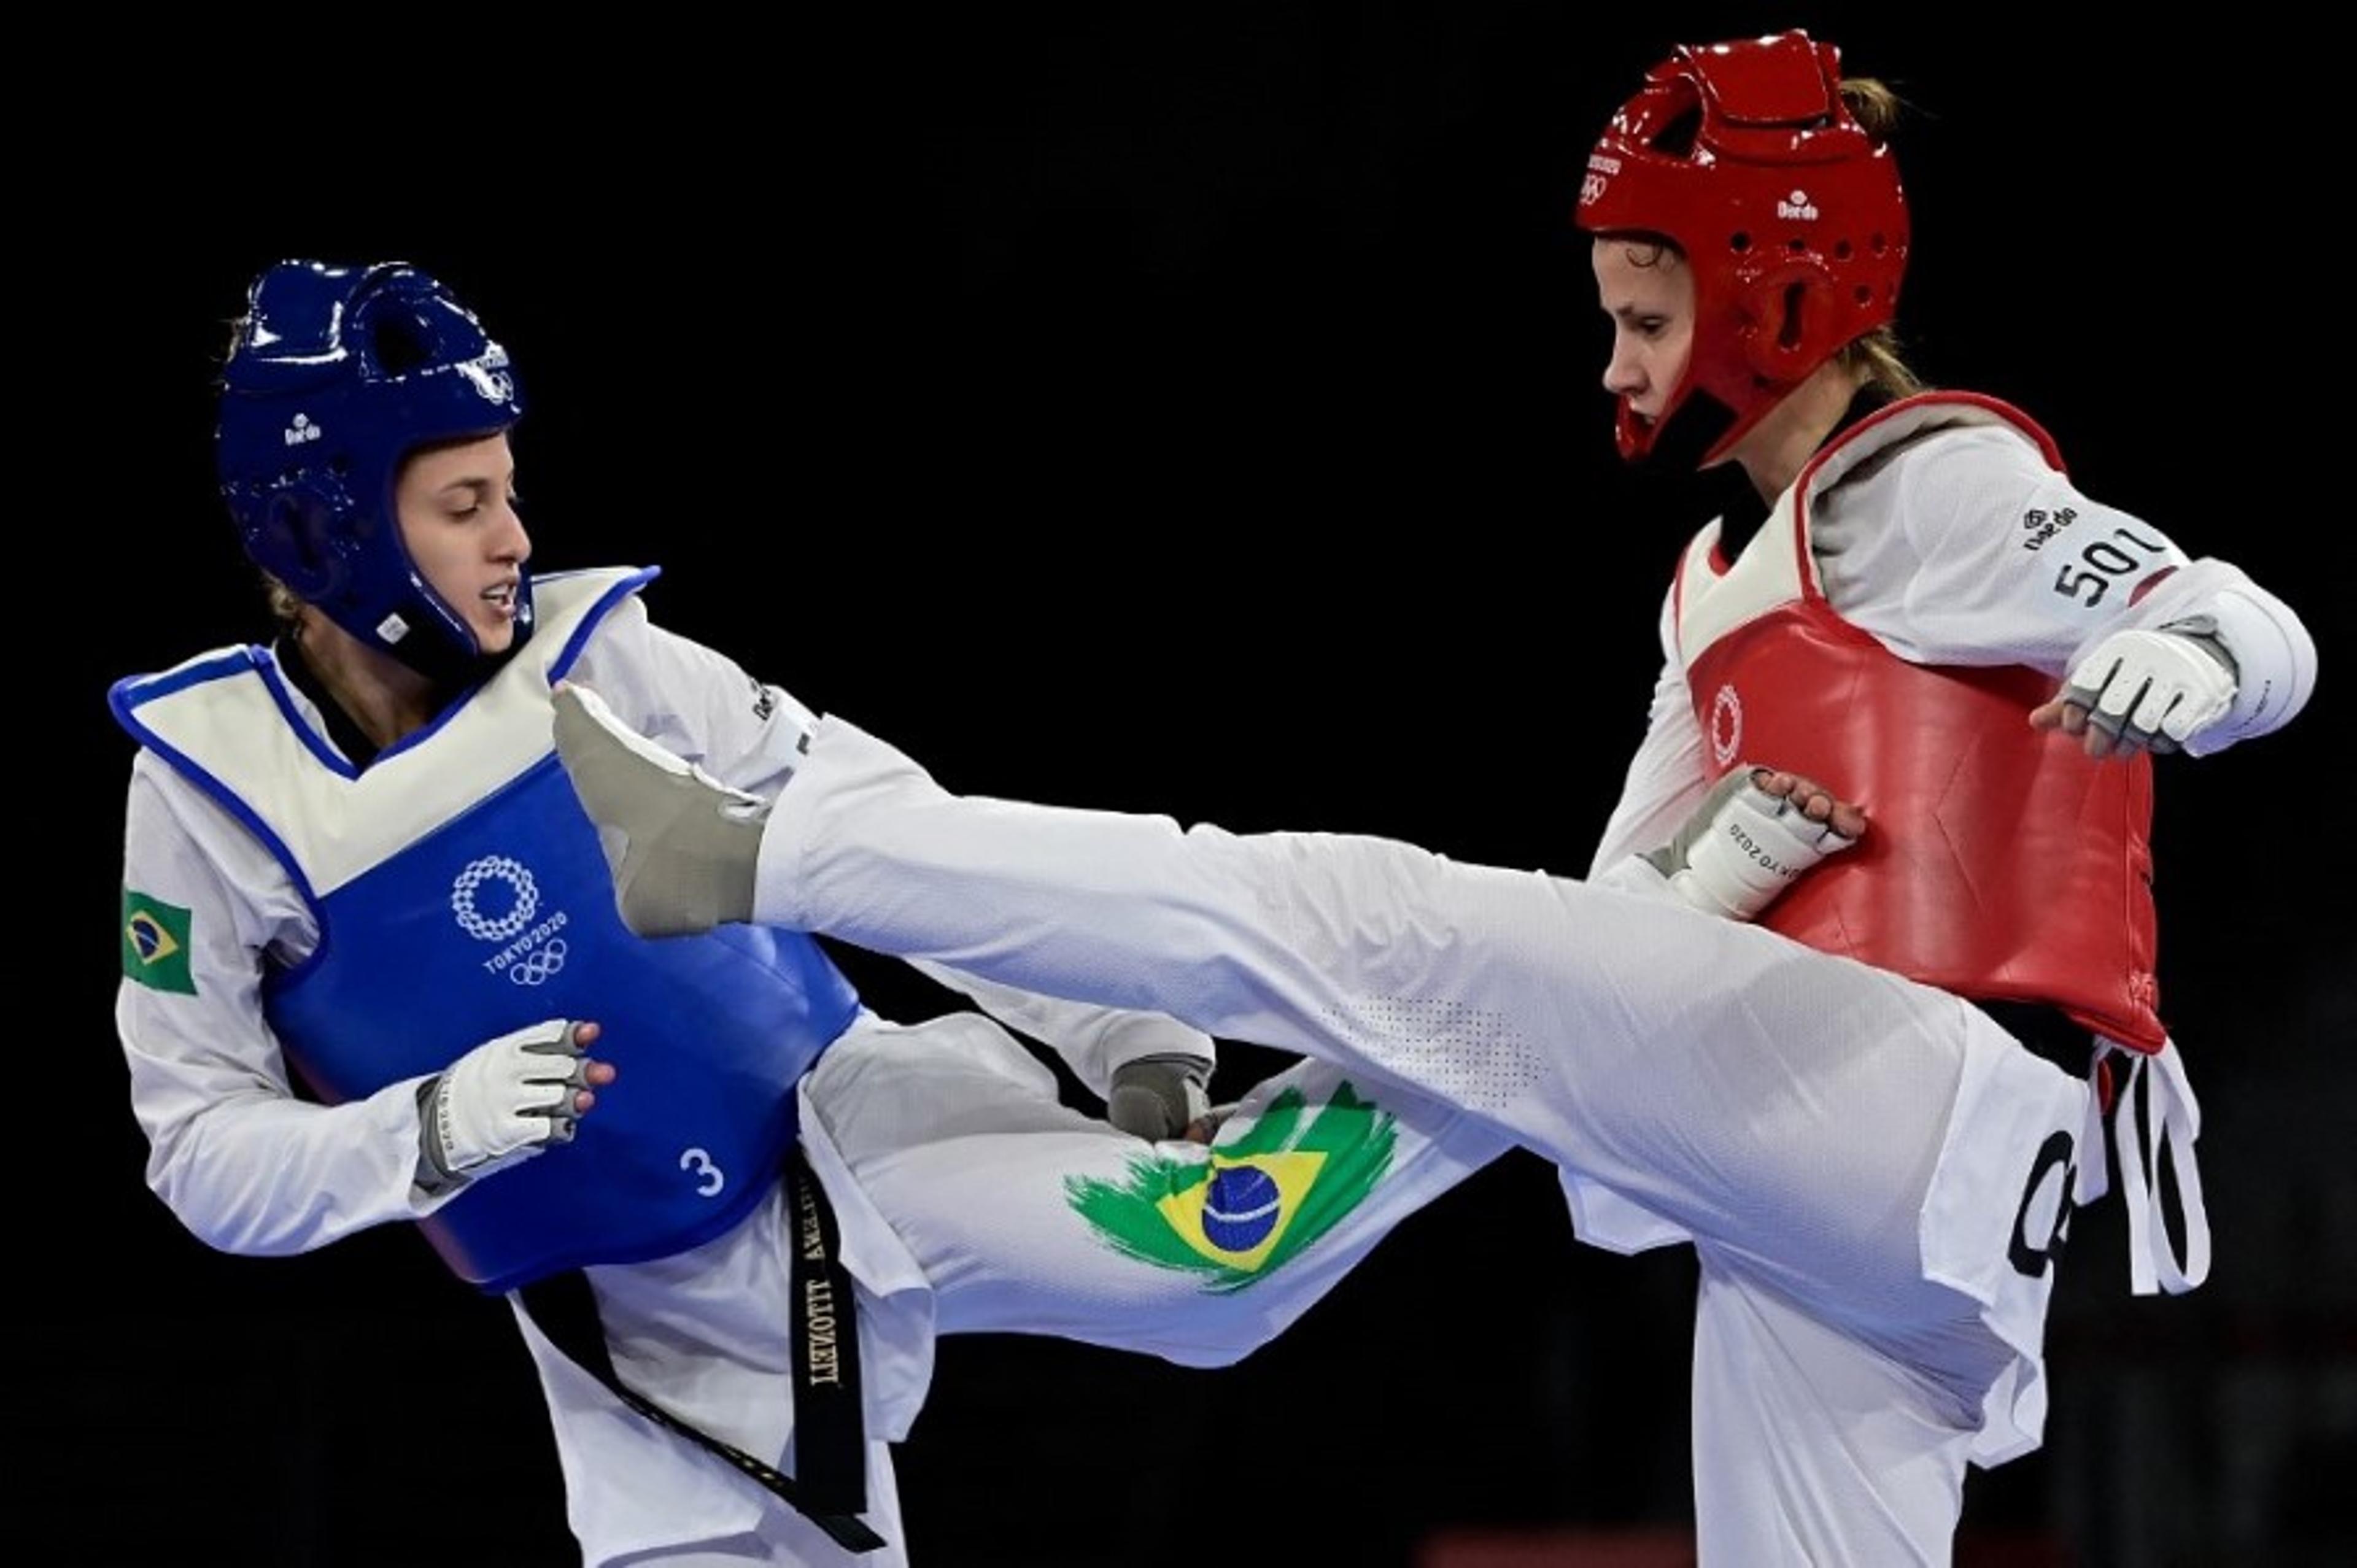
{"x": 1877, "y": 357}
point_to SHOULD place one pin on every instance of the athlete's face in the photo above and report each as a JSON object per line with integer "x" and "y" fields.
{"x": 456, "y": 505}
{"x": 1646, "y": 290}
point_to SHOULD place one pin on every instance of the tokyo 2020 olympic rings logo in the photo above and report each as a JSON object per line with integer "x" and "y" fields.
{"x": 534, "y": 953}
{"x": 494, "y": 868}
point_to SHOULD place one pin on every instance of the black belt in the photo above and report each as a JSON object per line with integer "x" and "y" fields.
{"x": 830, "y": 1438}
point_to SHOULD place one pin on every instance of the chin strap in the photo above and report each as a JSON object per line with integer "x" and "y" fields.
{"x": 2155, "y": 1112}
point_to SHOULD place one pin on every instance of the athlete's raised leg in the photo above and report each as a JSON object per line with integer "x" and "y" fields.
{"x": 1788, "y": 1106}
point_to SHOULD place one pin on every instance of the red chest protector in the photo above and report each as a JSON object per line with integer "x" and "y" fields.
{"x": 2002, "y": 863}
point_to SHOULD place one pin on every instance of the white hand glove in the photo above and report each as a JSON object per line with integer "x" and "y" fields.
{"x": 1743, "y": 847}
{"x": 502, "y": 1103}
{"x": 1159, "y": 1097}
{"x": 2153, "y": 690}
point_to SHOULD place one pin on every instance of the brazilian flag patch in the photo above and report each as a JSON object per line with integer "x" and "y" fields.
{"x": 156, "y": 943}
{"x": 1234, "y": 1218}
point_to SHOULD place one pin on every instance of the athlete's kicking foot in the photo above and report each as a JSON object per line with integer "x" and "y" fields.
{"x": 681, "y": 844}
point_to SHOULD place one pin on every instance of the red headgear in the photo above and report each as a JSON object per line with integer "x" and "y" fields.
{"x": 1744, "y": 156}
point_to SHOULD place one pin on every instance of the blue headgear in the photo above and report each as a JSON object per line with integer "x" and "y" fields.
{"x": 335, "y": 375}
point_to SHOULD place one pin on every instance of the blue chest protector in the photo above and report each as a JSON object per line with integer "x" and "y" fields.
{"x": 461, "y": 893}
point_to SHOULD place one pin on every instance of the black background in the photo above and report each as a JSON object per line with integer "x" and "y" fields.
{"x": 1188, "y": 411}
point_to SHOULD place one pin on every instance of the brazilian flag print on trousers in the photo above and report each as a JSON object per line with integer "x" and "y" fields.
{"x": 1239, "y": 1215}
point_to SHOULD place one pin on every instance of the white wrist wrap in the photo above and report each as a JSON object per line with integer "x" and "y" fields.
{"x": 1751, "y": 850}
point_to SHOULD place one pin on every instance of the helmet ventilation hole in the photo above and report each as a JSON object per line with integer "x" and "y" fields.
{"x": 401, "y": 344}
{"x": 1788, "y": 335}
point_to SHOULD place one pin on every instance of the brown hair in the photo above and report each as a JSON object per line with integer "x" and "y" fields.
{"x": 286, "y": 605}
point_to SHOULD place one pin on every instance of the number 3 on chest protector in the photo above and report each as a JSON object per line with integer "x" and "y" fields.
{"x": 709, "y": 1179}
